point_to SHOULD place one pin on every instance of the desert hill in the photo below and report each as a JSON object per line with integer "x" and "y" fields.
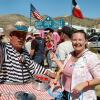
{"x": 12, "y": 18}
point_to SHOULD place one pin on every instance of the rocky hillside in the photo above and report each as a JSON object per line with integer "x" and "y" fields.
{"x": 12, "y": 18}
{"x": 83, "y": 22}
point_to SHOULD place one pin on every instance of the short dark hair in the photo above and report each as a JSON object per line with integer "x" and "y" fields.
{"x": 68, "y": 30}
{"x": 59, "y": 31}
{"x": 49, "y": 29}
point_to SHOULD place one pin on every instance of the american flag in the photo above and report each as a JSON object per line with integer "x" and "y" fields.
{"x": 35, "y": 13}
{"x": 76, "y": 11}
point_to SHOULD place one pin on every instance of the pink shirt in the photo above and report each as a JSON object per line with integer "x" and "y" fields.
{"x": 67, "y": 75}
{"x": 86, "y": 68}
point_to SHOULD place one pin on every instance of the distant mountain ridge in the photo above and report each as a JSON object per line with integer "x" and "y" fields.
{"x": 87, "y": 22}
{"x": 12, "y": 18}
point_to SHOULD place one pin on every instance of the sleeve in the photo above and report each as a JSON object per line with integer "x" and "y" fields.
{"x": 94, "y": 66}
{"x": 34, "y": 67}
{"x": 37, "y": 69}
{"x": 2, "y": 51}
{"x": 60, "y": 53}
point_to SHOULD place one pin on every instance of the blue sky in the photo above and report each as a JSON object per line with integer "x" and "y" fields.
{"x": 53, "y": 8}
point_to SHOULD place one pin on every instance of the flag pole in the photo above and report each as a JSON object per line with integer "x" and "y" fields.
{"x": 71, "y": 18}
{"x": 30, "y": 14}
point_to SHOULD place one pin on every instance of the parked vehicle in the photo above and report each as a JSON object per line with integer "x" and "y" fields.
{"x": 94, "y": 42}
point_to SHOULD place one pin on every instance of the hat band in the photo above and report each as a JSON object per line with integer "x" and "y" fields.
{"x": 21, "y": 28}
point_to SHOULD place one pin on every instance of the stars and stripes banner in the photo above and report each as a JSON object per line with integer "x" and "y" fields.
{"x": 35, "y": 13}
{"x": 76, "y": 11}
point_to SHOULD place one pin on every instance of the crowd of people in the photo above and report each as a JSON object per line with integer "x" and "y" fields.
{"x": 66, "y": 50}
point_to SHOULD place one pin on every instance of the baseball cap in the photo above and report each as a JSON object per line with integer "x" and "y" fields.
{"x": 36, "y": 32}
{"x": 28, "y": 37}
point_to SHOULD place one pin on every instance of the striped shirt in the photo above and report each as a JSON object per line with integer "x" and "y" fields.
{"x": 18, "y": 67}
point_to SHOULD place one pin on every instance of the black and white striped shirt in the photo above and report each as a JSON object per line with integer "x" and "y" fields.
{"x": 17, "y": 67}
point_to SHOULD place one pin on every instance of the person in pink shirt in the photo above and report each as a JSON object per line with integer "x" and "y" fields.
{"x": 80, "y": 71}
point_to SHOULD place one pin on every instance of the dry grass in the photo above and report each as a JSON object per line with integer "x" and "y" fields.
{"x": 12, "y": 18}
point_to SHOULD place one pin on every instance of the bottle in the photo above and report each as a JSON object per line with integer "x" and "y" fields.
{"x": 53, "y": 66}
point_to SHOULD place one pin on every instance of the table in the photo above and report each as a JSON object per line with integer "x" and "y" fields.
{"x": 8, "y": 90}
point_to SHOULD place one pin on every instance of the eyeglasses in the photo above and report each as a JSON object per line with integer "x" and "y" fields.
{"x": 20, "y": 35}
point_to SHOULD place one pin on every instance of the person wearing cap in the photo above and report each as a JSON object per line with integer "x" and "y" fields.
{"x": 28, "y": 41}
{"x": 17, "y": 66}
{"x": 65, "y": 47}
{"x": 38, "y": 48}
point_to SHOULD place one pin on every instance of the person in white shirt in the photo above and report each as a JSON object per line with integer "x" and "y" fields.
{"x": 65, "y": 47}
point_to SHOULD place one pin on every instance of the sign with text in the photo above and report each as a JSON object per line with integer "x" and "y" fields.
{"x": 49, "y": 23}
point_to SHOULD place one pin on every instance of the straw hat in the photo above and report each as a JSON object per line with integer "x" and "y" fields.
{"x": 19, "y": 26}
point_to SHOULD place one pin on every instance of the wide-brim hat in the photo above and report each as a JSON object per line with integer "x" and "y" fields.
{"x": 19, "y": 27}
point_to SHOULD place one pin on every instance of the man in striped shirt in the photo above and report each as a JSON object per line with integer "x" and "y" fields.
{"x": 17, "y": 66}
